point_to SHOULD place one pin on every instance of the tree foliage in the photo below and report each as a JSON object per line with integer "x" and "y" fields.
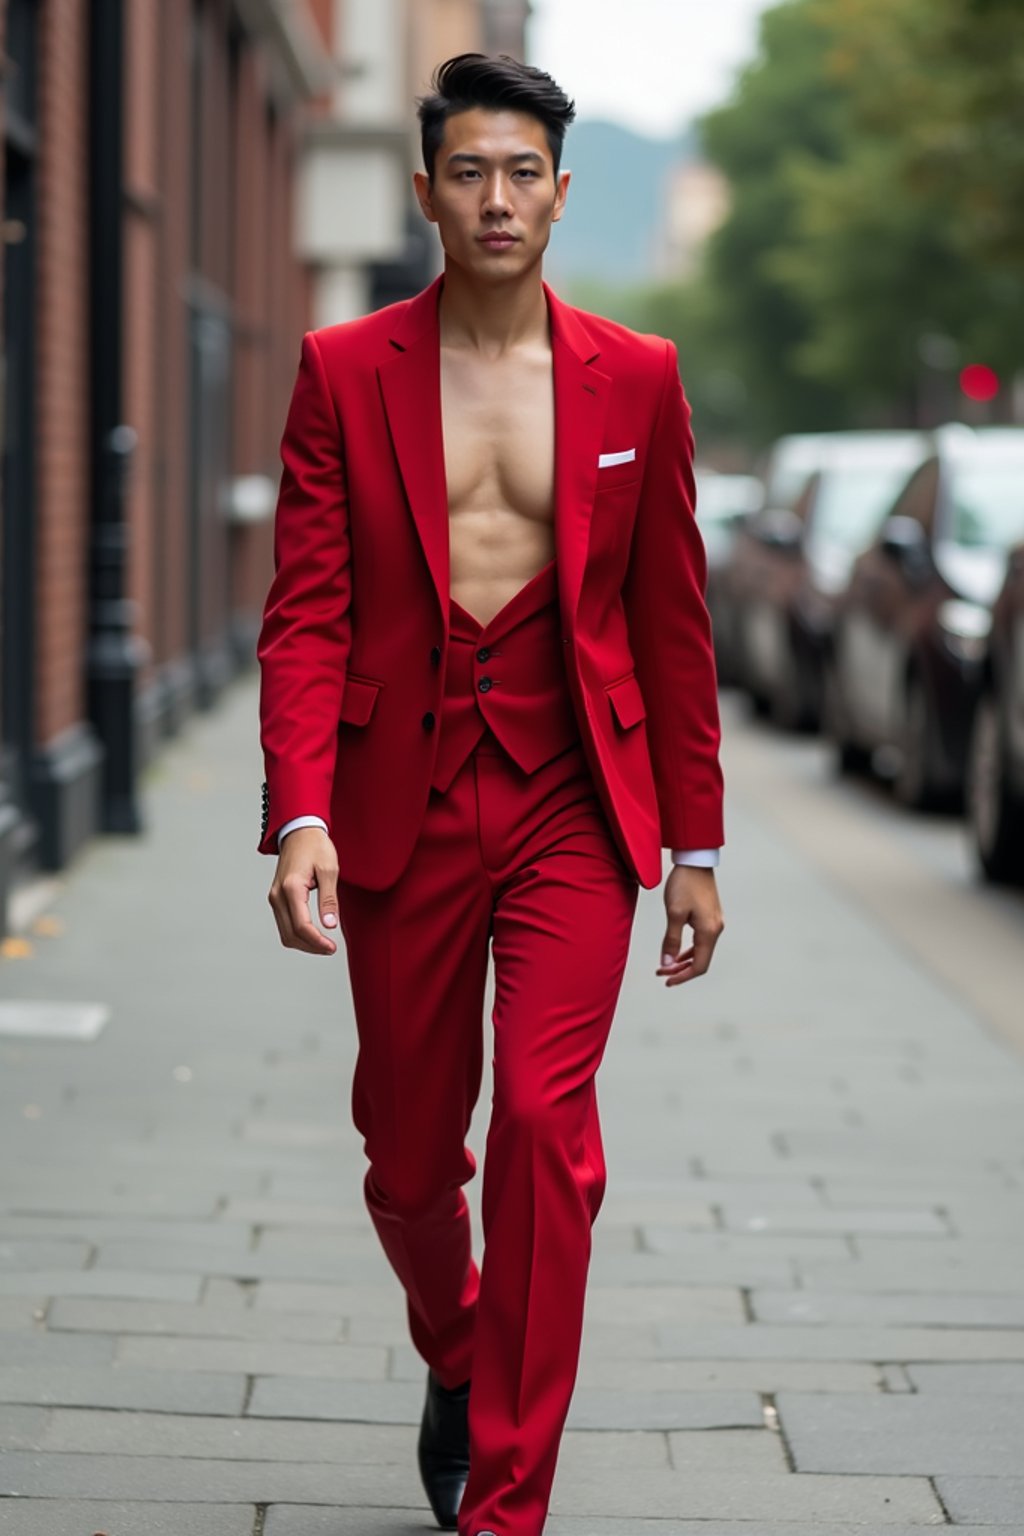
{"x": 875, "y": 152}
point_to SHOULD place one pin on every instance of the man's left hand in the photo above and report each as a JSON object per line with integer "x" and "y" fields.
{"x": 691, "y": 898}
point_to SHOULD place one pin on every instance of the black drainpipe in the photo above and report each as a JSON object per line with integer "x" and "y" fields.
{"x": 114, "y": 653}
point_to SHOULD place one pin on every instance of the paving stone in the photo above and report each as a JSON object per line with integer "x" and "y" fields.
{"x": 991, "y": 1502}
{"x": 728, "y": 1375}
{"x": 711, "y": 1247}
{"x": 44, "y": 1348}
{"x": 566, "y": 1525}
{"x": 21, "y": 1427}
{"x": 705, "y": 1269}
{"x": 71, "y": 1314}
{"x": 943, "y": 1311}
{"x": 381, "y": 1301}
{"x": 308, "y": 1520}
{"x": 371, "y": 1402}
{"x": 917, "y": 1434}
{"x": 22, "y": 1314}
{"x": 352, "y": 1362}
{"x": 633, "y": 1451}
{"x": 805, "y": 1221}
{"x": 41, "y": 1253}
{"x": 1001, "y": 1377}
{"x": 664, "y": 1304}
{"x": 745, "y": 1496}
{"x": 205, "y": 1480}
{"x": 55, "y": 1196}
{"x": 305, "y": 1520}
{"x": 768, "y": 1341}
{"x": 61, "y": 1517}
{"x": 978, "y": 1277}
{"x": 292, "y": 1263}
{"x": 357, "y": 1237}
{"x": 101, "y": 1282}
{"x": 169, "y": 1391}
{"x": 88, "y": 1431}
{"x": 286, "y": 1213}
{"x": 93, "y": 1229}
{"x": 596, "y": 1408}
{"x": 731, "y": 1450}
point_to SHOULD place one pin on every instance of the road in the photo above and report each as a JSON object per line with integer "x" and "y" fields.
{"x": 807, "y": 1310}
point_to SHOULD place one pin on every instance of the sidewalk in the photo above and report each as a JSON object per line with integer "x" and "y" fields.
{"x": 807, "y": 1302}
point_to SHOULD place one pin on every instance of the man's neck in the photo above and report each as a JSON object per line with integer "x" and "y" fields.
{"x": 495, "y": 320}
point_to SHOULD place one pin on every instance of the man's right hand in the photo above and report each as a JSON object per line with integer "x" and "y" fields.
{"x": 307, "y": 860}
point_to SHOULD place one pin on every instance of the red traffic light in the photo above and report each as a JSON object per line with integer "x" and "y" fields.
{"x": 979, "y": 382}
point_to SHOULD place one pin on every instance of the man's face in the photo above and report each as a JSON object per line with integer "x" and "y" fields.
{"x": 494, "y": 195}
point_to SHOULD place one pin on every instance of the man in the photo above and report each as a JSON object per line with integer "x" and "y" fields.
{"x": 488, "y": 702}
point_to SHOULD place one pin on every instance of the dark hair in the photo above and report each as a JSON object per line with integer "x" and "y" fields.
{"x": 498, "y": 84}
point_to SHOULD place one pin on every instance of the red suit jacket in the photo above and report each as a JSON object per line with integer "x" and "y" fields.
{"x": 354, "y": 636}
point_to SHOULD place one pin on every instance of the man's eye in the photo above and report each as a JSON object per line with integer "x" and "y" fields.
{"x": 527, "y": 173}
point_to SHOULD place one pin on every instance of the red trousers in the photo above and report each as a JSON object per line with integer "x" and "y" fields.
{"x": 525, "y": 864}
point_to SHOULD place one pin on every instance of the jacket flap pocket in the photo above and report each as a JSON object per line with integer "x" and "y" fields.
{"x": 627, "y": 701}
{"x": 357, "y": 700}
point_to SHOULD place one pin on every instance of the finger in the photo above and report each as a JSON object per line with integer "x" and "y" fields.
{"x": 327, "y": 897}
{"x": 676, "y": 963}
{"x": 672, "y": 943}
{"x": 305, "y": 934}
{"x": 283, "y": 930}
{"x": 704, "y": 942}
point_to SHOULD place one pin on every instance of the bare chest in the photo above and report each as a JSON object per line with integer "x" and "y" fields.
{"x": 498, "y": 420}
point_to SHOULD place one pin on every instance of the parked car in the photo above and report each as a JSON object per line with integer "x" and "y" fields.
{"x": 723, "y": 502}
{"x": 791, "y": 561}
{"x": 910, "y": 637}
{"x": 995, "y": 776}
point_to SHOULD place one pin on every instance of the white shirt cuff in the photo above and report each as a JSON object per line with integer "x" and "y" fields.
{"x": 701, "y": 858}
{"x": 299, "y": 821}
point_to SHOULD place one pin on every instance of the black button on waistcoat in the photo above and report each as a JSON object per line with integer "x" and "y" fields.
{"x": 484, "y": 685}
{"x": 428, "y": 721}
{"x": 483, "y": 654}
{"x": 435, "y": 656}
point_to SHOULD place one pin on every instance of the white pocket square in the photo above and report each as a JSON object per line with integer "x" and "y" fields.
{"x": 606, "y": 460}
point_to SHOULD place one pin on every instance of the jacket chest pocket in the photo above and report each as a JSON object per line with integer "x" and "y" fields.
{"x": 627, "y": 701}
{"x": 358, "y": 699}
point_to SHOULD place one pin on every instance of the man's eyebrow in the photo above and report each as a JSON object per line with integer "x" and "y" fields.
{"x": 464, "y": 155}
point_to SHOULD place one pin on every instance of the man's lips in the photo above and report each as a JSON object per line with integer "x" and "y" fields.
{"x": 501, "y": 241}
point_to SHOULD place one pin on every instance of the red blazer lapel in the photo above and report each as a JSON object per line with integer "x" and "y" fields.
{"x": 410, "y": 382}
{"x": 581, "y": 408}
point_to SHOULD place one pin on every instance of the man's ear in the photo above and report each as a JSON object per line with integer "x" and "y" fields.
{"x": 561, "y": 192}
{"x": 424, "y": 195}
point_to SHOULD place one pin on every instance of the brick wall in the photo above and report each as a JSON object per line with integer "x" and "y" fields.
{"x": 62, "y": 363}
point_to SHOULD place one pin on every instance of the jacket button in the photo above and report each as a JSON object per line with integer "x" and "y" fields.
{"x": 483, "y": 654}
{"x": 428, "y": 721}
{"x": 435, "y": 656}
{"x": 484, "y": 685}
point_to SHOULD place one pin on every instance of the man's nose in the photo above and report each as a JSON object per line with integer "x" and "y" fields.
{"x": 496, "y": 195}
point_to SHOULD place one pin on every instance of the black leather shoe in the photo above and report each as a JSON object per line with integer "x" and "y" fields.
{"x": 443, "y": 1449}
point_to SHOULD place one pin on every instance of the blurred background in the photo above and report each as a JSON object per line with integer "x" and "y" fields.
{"x": 821, "y": 202}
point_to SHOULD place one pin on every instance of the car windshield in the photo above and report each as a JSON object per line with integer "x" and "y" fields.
{"x": 986, "y": 508}
{"x": 851, "y": 502}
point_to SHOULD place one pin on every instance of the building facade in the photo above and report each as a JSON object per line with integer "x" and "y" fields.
{"x": 187, "y": 187}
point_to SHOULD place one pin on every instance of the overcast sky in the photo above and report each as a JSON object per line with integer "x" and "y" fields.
{"x": 651, "y": 64}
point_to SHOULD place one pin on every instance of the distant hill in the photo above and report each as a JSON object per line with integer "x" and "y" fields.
{"x": 613, "y": 215}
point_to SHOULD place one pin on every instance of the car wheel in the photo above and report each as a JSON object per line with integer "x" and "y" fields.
{"x": 995, "y": 814}
{"x": 914, "y": 784}
{"x": 850, "y": 756}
